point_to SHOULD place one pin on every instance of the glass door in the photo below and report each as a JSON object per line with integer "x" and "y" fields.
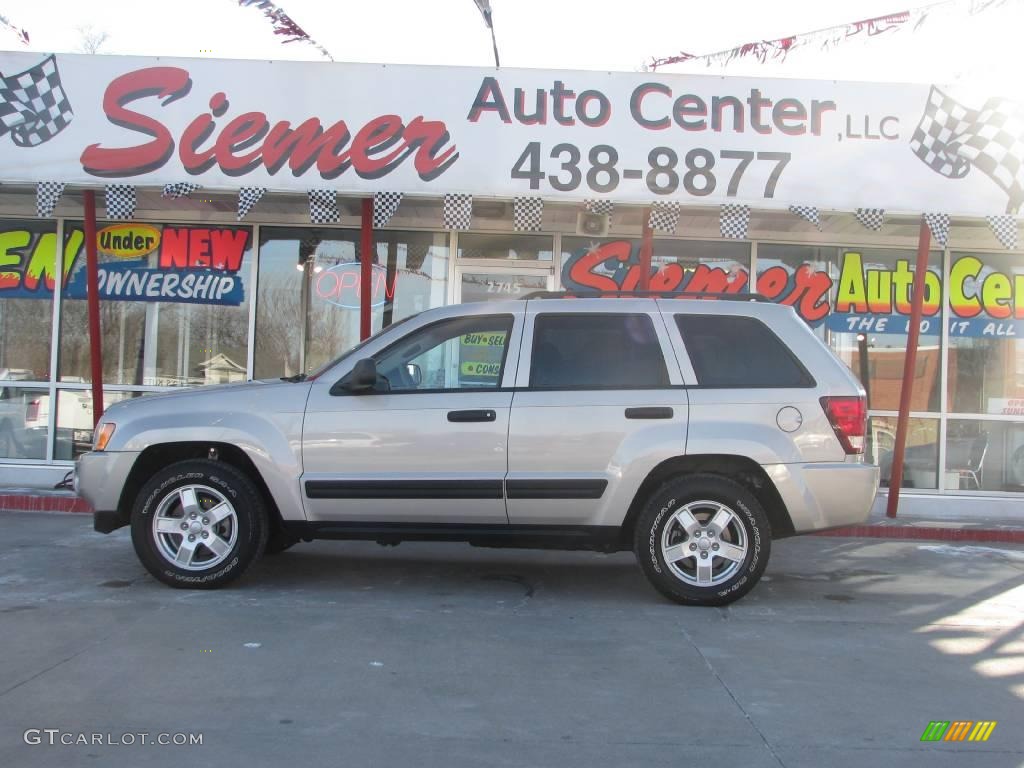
{"x": 487, "y": 283}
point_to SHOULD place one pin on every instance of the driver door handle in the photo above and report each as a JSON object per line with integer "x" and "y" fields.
{"x": 463, "y": 416}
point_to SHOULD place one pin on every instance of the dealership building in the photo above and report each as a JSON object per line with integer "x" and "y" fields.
{"x": 223, "y": 257}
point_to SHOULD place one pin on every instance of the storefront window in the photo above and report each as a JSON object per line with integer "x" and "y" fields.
{"x": 779, "y": 276}
{"x": 677, "y": 266}
{"x": 24, "y": 422}
{"x": 921, "y": 457}
{"x": 506, "y": 246}
{"x": 174, "y": 304}
{"x": 75, "y": 419}
{"x": 308, "y": 308}
{"x": 986, "y": 333}
{"x": 412, "y": 270}
{"x": 984, "y": 455}
{"x": 27, "y": 269}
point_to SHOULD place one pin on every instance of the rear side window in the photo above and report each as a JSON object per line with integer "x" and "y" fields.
{"x": 592, "y": 351}
{"x": 739, "y": 352}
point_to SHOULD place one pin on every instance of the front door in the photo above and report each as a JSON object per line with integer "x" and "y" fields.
{"x": 430, "y": 443}
{"x": 486, "y": 283}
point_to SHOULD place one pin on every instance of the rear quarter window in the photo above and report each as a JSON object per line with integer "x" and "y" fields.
{"x": 731, "y": 352}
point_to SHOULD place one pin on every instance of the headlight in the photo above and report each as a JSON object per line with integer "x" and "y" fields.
{"x": 103, "y": 436}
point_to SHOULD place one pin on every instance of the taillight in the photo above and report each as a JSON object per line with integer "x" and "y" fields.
{"x": 32, "y": 411}
{"x": 849, "y": 419}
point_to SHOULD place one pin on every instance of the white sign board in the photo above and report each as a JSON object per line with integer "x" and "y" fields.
{"x": 629, "y": 137}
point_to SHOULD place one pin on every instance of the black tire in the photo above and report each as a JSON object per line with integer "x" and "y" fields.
{"x": 748, "y": 526}
{"x": 279, "y": 541}
{"x": 250, "y": 523}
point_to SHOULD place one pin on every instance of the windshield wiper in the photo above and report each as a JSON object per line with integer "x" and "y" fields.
{"x": 294, "y": 379}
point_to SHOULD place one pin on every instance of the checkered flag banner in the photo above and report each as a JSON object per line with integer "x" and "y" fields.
{"x": 599, "y": 206}
{"x": 47, "y": 196}
{"x": 179, "y": 190}
{"x": 871, "y": 218}
{"x": 1004, "y": 227}
{"x": 247, "y": 198}
{"x": 323, "y": 206}
{"x": 664, "y": 216}
{"x": 807, "y": 213}
{"x": 33, "y": 105}
{"x": 120, "y": 200}
{"x": 733, "y": 221}
{"x": 951, "y": 139}
{"x": 528, "y": 213}
{"x": 385, "y": 205}
{"x": 938, "y": 223}
{"x": 458, "y": 211}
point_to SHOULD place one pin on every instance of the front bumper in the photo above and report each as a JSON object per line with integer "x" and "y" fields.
{"x": 826, "y": 495}
{"x": 99, "y": 479}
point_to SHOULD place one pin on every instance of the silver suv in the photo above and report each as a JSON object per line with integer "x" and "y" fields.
{"x": 691, "y": 432}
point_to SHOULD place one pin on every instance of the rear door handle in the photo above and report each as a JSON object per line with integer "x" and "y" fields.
{"x": 649, "y": 413}
{"x": 463, "y": 416}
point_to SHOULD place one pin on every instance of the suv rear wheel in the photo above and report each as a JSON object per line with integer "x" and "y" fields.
{"x": 703, "y": 540}
{"x": 199, "y": 524}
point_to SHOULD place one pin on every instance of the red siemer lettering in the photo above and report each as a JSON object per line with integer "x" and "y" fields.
{"x": 249, "y": 140}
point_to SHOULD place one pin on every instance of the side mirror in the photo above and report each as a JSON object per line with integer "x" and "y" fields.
{"x": 415, "y": 373}
{"x": 362, "y": 378}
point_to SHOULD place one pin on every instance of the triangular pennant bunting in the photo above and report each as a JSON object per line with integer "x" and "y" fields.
{"x": 323, "y": 206}
{"x": 385, "y": 204}
{"x": 528, "y": 213}
{"x": 871, "y": 218}
{"x": 807, "y": 213}
{"x": 47, "y": 196}
{"x": 458, "y": 211}
{"x": 1004, "y": 227}
{"x": 938, "y": 223}
{"x": 664, "y": 216}
{"x": 120, "y": 200}
{"x": 179, "y": 190}
{"x": 733, "y": 220}
{"x": 247, "y": 198}
{"x": 599, "y": 206}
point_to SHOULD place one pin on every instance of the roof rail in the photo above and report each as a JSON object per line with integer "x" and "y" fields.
{"x": 645, "y": 294}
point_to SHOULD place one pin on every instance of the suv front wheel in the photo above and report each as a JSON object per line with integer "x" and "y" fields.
{"x": 703, "y": 540}
{"x": 199, "y": 524}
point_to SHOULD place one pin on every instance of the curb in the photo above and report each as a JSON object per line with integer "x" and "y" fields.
{"x": 929, "y": 533}
{"x": 44, "y": 502}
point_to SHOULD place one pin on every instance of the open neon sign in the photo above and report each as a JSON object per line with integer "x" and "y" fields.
{"x": 340, "y": 285}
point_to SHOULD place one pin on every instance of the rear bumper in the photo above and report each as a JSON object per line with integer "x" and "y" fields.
{"x": 99, "y": 479}
{"x": 826, "y": 495}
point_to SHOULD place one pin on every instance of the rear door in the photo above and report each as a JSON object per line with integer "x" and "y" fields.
{"x": 599, "y": 402}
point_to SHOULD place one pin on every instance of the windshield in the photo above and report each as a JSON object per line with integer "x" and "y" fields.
{"x": 348, "y": 353}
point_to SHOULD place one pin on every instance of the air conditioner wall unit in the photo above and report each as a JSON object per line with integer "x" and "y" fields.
{"x": 592, "y": 224}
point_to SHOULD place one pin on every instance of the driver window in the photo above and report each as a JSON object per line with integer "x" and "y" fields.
{"x": 462, "y": 353}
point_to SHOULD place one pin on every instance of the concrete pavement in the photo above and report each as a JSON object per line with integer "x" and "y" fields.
{"x": 440, "y": 654}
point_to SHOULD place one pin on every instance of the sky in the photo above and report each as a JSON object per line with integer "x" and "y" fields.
{"x": 551, "y": 34}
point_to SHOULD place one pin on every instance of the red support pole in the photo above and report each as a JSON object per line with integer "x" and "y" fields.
{"x": 924, "y": 243}
{"x": 366, "y": 269}
{"x": 92, "y": 274}
{"x": 646, "y": 250}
